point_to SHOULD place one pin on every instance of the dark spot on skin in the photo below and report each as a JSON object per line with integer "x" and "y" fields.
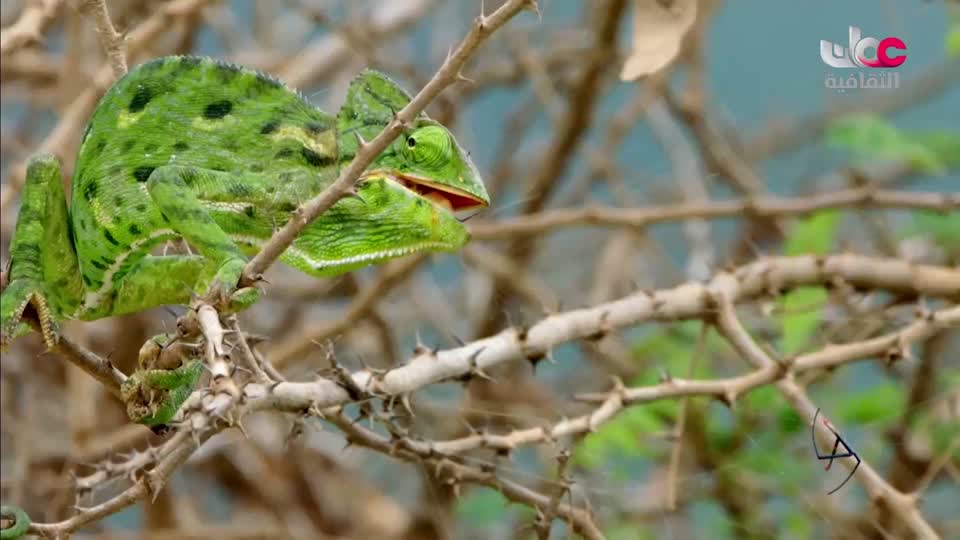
{"x": 231, "y": 145}
{"x": 181, "y": 146}
{"x": 118, "y": 200}
{"x": 99, "y": 265}
{"x": 140, "y": 99}
{"x": 165, "y": 218}
{"x": 218, "y": 109}
{"x": 270, "y": 127}
{"x": 129, "y": 144}
{"x": 249, "y": 211}
{"x": 90, "y": 190}
{"x": 256, "y": 167}
{"x": 314, "y": 158}
{"x": 239, "y": 190}
{"x": 106, "y": 261}
{"x": 315, "y": 127}
{"x": 87, "y": 281}
{"x": 150, "y": 148}
{"x": 285, "y": 153}
{"x": 134, "y": 229}
{"x": 110, "y": 238}
{"x": 189, "y": 176}
{"x": 86, "y": 132}
{"x": 141, "y": 208}
{"x": 84, "y": 224}
{"x": 218, "y": 168}
{"x": 421, "y": 202}
{"x": 142, "y": 173}
{"x": 98, "y": 148}
{"x": 271, "y": 189}
{"x": 286, "y": 207}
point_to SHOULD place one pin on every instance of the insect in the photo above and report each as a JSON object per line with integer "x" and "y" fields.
{"x": 848, "y": 452}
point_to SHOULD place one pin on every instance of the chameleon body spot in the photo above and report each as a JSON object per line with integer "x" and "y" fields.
{"x": 134, "y": 229}
{"x": 315, "y": 128}
{"x": 256, "y": 168}
{"x": 239, "y": 191}
{"x": 142, "y": 174}
{"x": 86, "y": 280}
{"x": 218, "y": 109}
{"x": 140, "y": 99}
{"x": 118, "y": 201}
{"x": 98, "y": 265}
{"x": 90, "y": 190}
{"x": 98, "y": 148}
{"x": 141, "y": 208}
{"x": 110, "y": 238}
{"x": 181, "y": 146}
{"x": 270, "y": 127}
{"x": 150, "y": 148}
{"x": 284, "y": 153}
{"x": 249, "y": 211}
{"x": 314, "y": 158}
{"x": 129, "y": 144}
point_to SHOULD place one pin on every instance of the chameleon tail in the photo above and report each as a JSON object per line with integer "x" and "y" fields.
{"x": 21, "y": 522}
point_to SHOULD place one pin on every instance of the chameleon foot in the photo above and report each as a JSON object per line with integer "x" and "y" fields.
{"x": 20, "y": 519}
{"x": 167, "y": 373}
{"x": 18, "y": 296}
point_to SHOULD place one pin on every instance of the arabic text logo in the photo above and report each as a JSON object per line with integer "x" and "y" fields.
{"x": 855, "y": 54}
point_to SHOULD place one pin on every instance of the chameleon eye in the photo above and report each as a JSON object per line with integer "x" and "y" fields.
{"x": 429, "y": 146}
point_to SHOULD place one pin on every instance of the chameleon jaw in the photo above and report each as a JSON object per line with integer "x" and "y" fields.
{"x": 442, "y": 195}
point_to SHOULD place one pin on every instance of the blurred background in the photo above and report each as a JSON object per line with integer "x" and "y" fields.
{"x": 732, "y": 104}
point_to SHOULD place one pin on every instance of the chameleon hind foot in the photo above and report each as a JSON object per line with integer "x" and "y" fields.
{"x": 168, "y": 370}
{"x": 21, "y": 295}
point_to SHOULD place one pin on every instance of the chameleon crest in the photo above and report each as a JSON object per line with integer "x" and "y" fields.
{"x": 220, "y": 156}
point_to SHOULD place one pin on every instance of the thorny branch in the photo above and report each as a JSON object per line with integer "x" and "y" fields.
{"x": 565, "y": 76}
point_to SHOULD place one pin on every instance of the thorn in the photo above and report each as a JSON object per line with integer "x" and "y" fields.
{"x": 460, "y": 77}
{"x": 361, "y": 143}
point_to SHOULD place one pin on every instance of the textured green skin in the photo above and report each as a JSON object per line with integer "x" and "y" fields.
{"x": 219, "y": 155}
{"x": 20, "y": 525}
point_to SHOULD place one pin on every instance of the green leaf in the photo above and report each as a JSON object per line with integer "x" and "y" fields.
{"x": 620, "y": 437}
{"x": 870, "y": 136}
{"x": 813, "y": 235}
{"x": 881, "y": 403}
{"x": 942, "y": 228}
{"x": 482, "y": 506}
{"x": 953, "y": 41}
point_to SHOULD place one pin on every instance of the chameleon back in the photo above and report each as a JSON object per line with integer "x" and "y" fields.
{"x": 194, "y": 112}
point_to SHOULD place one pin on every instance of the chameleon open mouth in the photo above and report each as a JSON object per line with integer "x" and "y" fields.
{"x": 445, "y": 196}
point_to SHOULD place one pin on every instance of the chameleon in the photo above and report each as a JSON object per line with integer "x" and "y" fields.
{"x": 220, "y": 156}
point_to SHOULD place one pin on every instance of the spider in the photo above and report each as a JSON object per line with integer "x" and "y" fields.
{"x": 833, "y": 454}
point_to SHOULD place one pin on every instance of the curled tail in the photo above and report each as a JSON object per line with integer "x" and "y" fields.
{"x": 21, "y": 522}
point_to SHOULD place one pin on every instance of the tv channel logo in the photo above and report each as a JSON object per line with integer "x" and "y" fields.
{"x": 854, "y": 55}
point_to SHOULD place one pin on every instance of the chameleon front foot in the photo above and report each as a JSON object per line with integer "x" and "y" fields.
{"x": 19, "y": 296}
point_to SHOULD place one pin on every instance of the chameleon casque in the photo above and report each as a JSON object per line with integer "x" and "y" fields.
{"x": 220, "y": 156}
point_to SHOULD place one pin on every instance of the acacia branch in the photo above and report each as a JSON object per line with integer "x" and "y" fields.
{"x": 760, "y": 206}
{"x": 769, "y": 276}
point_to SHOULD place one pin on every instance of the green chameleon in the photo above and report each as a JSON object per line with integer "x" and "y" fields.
{"x": 220, "y": 156}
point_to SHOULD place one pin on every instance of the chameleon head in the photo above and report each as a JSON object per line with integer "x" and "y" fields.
{"x": 386, "y": 220}
{"x": 426, "y": 159}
